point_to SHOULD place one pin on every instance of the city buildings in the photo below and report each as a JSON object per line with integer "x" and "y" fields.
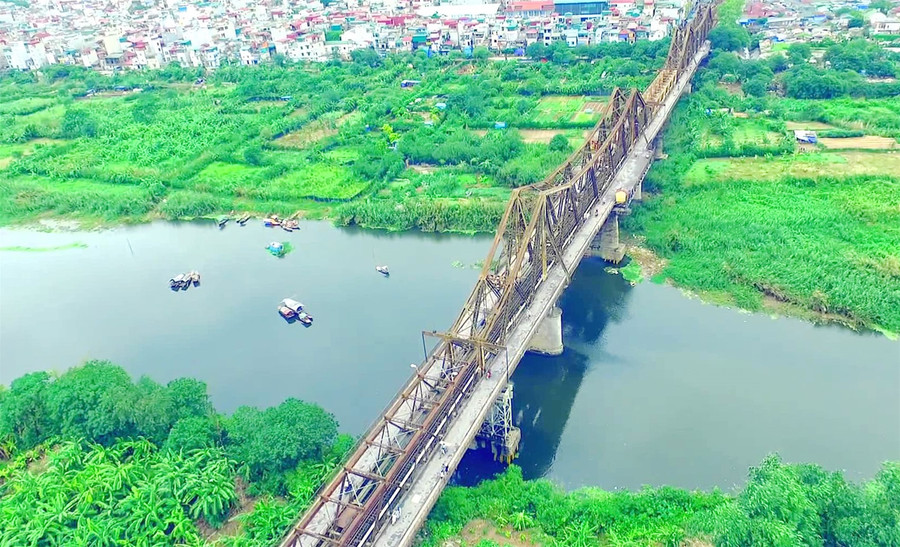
{"x": 135, "y": 34}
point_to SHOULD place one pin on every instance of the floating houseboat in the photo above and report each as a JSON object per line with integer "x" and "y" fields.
{"x": 292, "y": 304}
{"x": 176, "y": 282}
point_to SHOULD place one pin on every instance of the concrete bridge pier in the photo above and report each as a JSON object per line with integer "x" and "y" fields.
{"x": 548, "y": 340}
{"x": 606, "y": 244}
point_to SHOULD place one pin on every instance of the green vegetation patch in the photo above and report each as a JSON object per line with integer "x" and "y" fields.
{"x": 576, "y": 109}
{"x": 89, "y": 457}
{"x": 782, "y": 504}
{"x": 805, "y": 165}
{"x": 28, "y": 196}
{"x": 28, "y": 105}
{"x": 830, "y": 244}
{"x": 17, "y": 248}
{"x": 318, "y": 181}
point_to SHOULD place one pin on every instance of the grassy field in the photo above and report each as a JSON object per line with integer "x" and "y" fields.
{"x": 553, "y": 109}
{"x": 803, "y": 165}
{"x": 264, "y": 140}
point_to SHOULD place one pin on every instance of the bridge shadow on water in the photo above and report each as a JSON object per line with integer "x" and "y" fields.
{"x": 545, "y": 387}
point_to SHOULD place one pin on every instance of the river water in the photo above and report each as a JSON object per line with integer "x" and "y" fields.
{"x": 653, "y": 387}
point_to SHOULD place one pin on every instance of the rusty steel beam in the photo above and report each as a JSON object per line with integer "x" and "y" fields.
{"x": 530, "y": 240}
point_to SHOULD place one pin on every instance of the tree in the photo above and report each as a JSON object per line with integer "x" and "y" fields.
{"x": 559, "y": 143}
{"x": 189, "y": 397}
{"x": 856, "y": 21}
{"x": 192, "y": 433}
{"x": 799, "y": 52}
{"x": 95, "y": 401}
{"x": 755, "y": 87}
{"x": 536, "y": 51}
{"x": 274, "y": 440}
{"x": 367, "y": 56}
{"x": 726, "y": 63}
{"x": 884, "y": 6}
{"x": 77, "y": 123}
{"x": 23, "y": 412}
{"x": 481, "y": 53}
{"x": 729, "y": 38}
{"x": 778, "y": 62}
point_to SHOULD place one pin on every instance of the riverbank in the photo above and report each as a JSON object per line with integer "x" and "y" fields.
{"x": 744, "y": 215}
{"x": 781, "y": 505}
{"x": 652, "y": 267}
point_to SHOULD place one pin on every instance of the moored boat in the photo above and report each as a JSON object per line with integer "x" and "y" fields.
{"x": 305, "y": 318}
{"x": 383, "y": 270}
{"x": 186, "y": 281}
{"x": 272, "y": 221}
{"x": 292, "y": 304}
{"x": 176, "y": 282}
{"x": 195, "y": 277}
{"x": 286, "y": 312}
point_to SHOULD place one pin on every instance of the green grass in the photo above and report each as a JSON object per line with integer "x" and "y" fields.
{"x": 317, "y": 181}
{"x": 816, "y": 164}
{"x": 874, "y": 116}
{"x": 552, "y": 109}
{"x": 25, "y": 106}
{"x": 831, "y": 245}
{"x": 17, "y": 248}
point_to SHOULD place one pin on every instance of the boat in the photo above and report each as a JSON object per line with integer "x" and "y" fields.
{"x": 272, "y": 221}
{"x": 176, "y": 282}
{"x": 195, "y": 277}
{"x": 382, "y": 270}
{"x": 292, "y": 304}
{"x": 243, "y": 220}
{"x": 305, "y": 318}
{"x": 286, "y": 312}
{"x": 186, "y": 281}
{"x": 222, "y": 222}
{"x": 290, "y": 225}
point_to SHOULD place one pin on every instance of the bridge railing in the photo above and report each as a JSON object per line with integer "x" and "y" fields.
{"x": 536, "y": 227}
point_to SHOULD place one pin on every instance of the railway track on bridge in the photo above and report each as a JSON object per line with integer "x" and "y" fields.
{"x": 532, "y": 237}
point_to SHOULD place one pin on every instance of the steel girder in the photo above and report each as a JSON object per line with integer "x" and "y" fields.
{"x": 531, "y": 237}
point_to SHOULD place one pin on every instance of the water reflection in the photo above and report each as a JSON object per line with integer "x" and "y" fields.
{"x": 545, "y": 387}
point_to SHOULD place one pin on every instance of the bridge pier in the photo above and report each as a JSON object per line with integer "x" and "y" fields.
{"x": 606, "y": 244}
{"x": 497, "y": 430}
{"x": 548, "y": 339}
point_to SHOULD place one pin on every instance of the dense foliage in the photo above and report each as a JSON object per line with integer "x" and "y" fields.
{"x": 782, "y": 505}
{"x": 90, "y": 457}
{"x": 139, "y": 145}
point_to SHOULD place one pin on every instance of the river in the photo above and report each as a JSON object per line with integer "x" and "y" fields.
{"x": 653, "y": 387}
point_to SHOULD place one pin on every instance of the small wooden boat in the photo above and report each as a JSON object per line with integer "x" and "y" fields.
{"x": 305, "y": 318}
{"x": 286, "y": 228}
{"x": 244, "y": 218}
{"x": 176, "y": 282}
{"x": 286, "y": 312}
{"x": 290, "y": 225}
{"x": 195, "y": 277}
{"x": 383, "y": 270}
{"x": 222, "y": 222}
{"x": 292, "y": 304}
{"x": 272, "y": 221}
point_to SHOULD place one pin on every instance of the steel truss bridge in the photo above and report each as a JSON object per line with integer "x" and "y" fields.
{"x": 384, "y": 491}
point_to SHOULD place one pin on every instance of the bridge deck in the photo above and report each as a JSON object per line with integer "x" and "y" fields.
{"x": 428, "y": 483}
